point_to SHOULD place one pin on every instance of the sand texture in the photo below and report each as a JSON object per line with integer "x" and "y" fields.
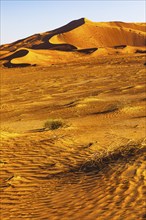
{"x": 79, "y": 41}
{"x": 92, "y": 167}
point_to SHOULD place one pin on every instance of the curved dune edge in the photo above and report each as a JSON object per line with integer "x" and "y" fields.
{"x": 102, "y": 34}
{"x": 41, "y": 40}
{"x": 77, "y": 41}
{"x": 46, "y": 57}
{"x": 25, "y": 57}
{"x": 83, "y": 34}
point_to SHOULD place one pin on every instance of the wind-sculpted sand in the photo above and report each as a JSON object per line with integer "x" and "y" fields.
{"x": 92, "y": 167}
{"x": 73, "y": 123}
{"x": 46, "y": 177}
{"x": 78, "y": 41}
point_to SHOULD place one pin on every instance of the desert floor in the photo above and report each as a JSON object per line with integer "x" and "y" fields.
{"x": 93, "y": 166}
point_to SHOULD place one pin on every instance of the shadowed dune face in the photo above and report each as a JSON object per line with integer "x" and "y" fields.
{"x": 46, "y": 44}
{"x": 103, "y": 35}
{"x": 41, "y": 41}
{"x": 81, "y": 36}
{"x": 17, "y": 54}
{"x": 11, "y": 65}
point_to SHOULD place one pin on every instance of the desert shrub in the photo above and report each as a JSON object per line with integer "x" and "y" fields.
{"x": 52, "y": 124}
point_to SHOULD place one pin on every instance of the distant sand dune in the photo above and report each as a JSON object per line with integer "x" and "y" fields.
{"x": 102, "y": 35}
{"x": 83, "y": 36}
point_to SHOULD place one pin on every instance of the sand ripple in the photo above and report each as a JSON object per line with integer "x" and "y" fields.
{"x": 36, "y": 185}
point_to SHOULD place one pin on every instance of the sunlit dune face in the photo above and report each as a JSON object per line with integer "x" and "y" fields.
{"x": 79, "y": 40}
{"x": 73, "y": 124}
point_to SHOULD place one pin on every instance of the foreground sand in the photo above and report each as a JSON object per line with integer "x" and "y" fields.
{"x": 93, "y": 167}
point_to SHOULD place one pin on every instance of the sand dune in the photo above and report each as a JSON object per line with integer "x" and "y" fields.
{"x": 90, "y": 76}
{"x": 70, "y": 42}
{"x": 93, "y": 166}
{"x": 40, "y": 57}
{"x": 102, "y": 34}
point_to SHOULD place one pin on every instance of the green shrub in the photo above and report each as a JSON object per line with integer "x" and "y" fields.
{"x": 53, "y": 124}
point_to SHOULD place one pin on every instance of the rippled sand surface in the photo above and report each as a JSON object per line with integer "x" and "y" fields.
{"x": 36, "y": 184}
{"x": 91, "y": 168}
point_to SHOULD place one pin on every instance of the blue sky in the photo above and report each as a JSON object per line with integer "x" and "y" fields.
{"x": 22, "y": 18}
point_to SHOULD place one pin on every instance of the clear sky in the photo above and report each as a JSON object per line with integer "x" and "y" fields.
{"x": 22, "y": 18}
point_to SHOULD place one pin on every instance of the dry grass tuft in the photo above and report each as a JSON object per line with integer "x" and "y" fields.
{"x": 102, "y": 158}
{"x": 53, "y": 124}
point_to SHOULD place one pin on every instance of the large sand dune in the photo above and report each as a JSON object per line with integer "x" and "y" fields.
{"x": 103, "y": 34}
{"x": 70, "y": 42}
{"x": 92, "y": 167}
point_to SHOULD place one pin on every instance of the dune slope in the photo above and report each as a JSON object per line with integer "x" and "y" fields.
{"x": 76, "y": 41}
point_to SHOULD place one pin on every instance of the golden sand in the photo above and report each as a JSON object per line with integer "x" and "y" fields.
{"x": 79, "y": 41}
{"x": 92, "y": 167}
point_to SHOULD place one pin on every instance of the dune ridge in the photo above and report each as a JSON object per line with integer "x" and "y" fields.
{"x": 103, "y": 34}
{"x": 73, "y": 40}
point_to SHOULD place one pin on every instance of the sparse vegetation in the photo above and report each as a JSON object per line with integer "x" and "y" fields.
{"x": 52, "y": 124}
{"x": 114, "y": 152}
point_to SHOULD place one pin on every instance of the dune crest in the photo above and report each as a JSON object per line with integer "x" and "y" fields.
{"x": 103, "y": 34}
{"x": 76, "y": 40}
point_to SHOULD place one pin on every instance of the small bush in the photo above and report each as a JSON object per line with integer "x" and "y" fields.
{"x": 53, "y": 124}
